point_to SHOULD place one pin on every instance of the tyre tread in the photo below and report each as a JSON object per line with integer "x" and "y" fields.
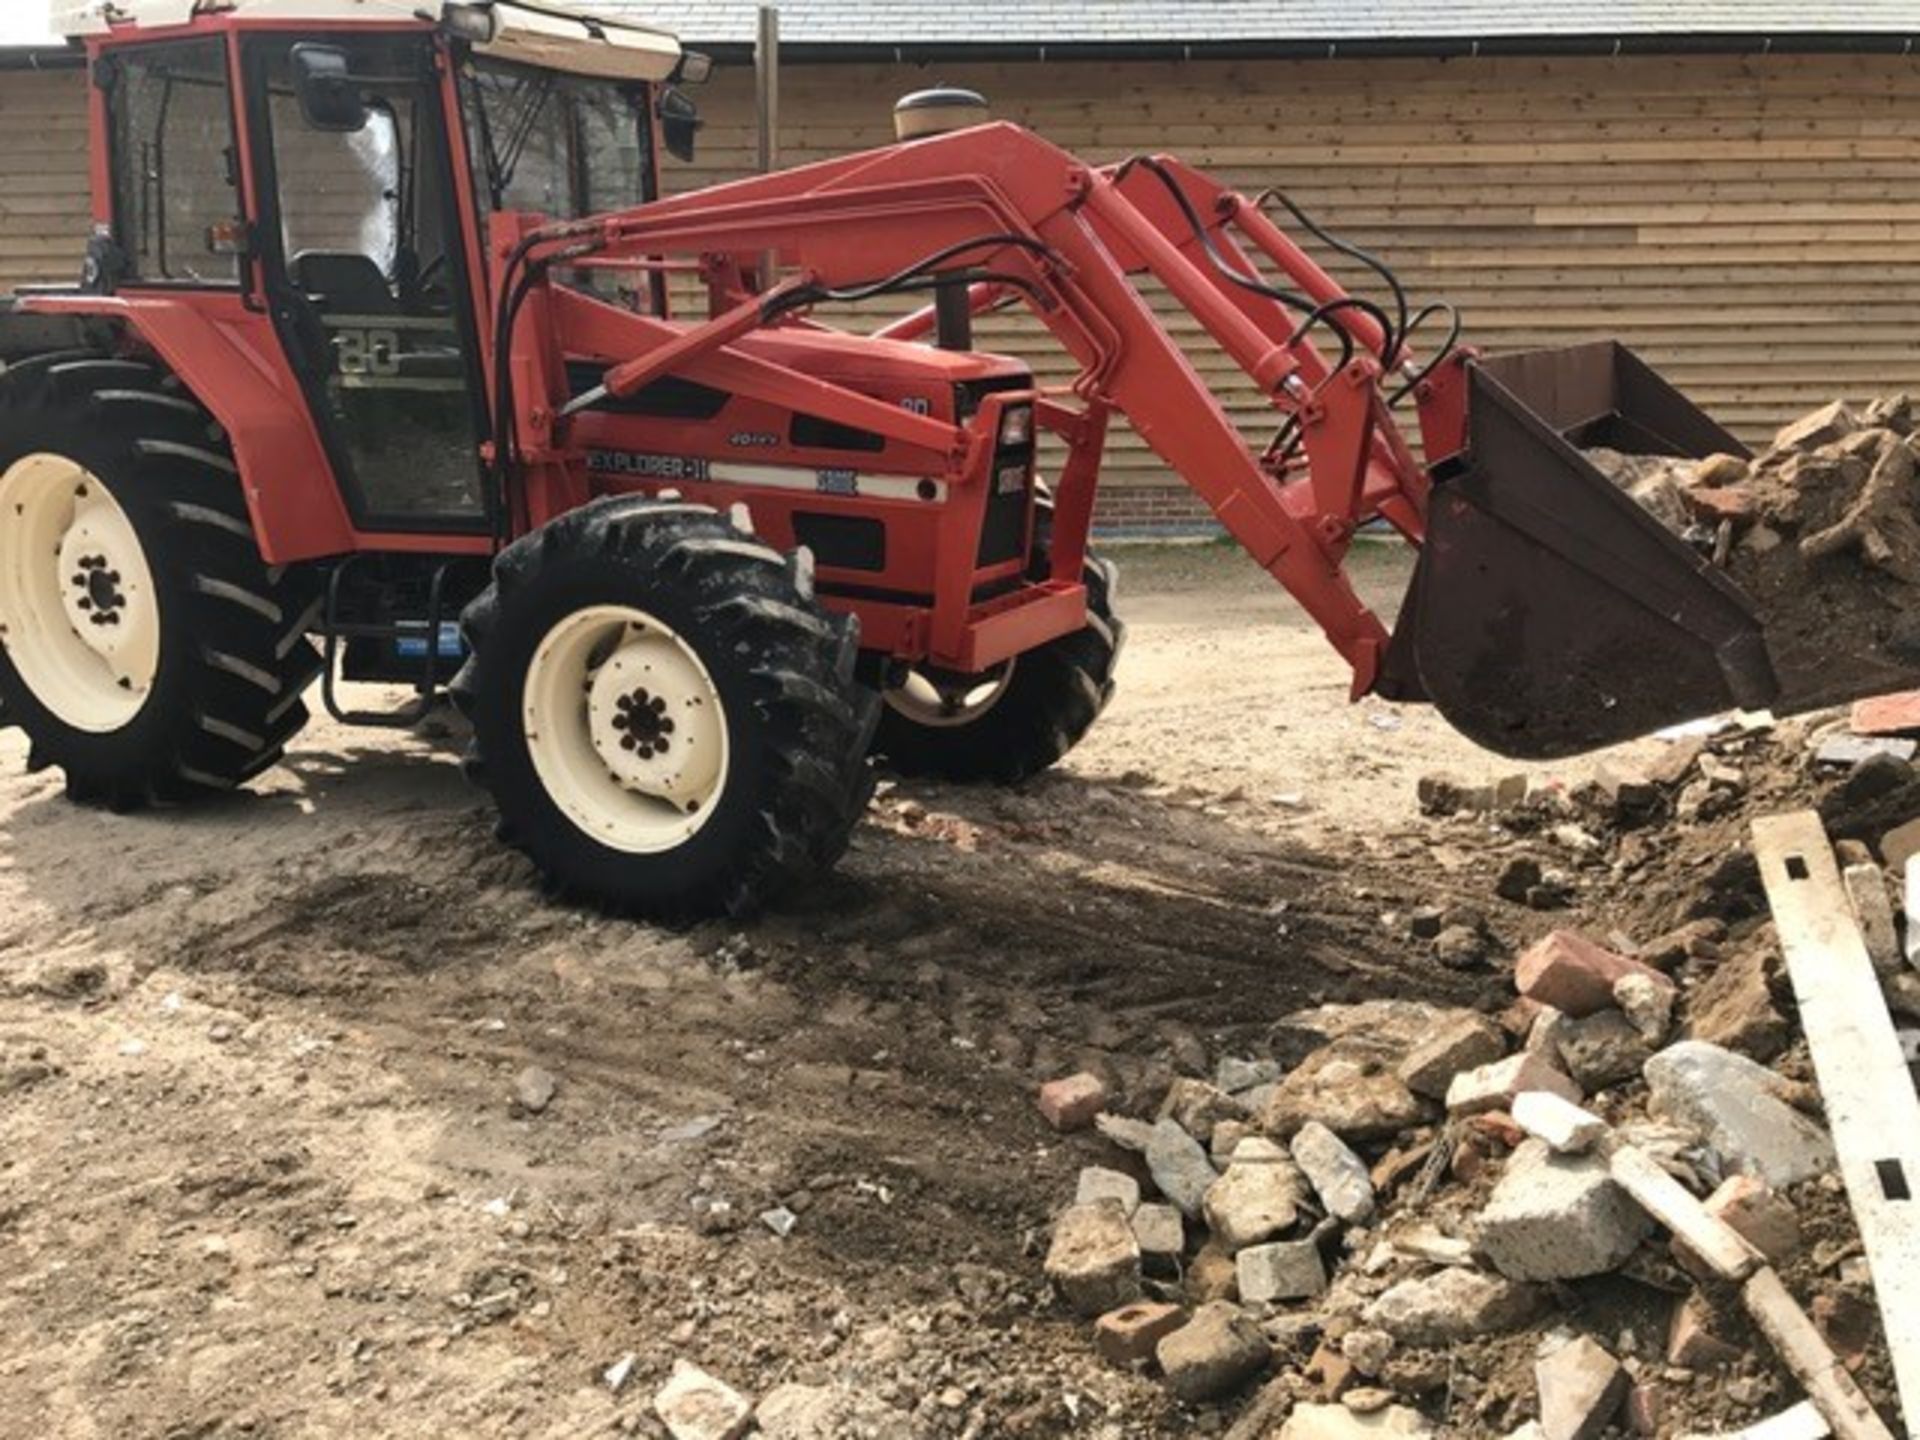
{"x": 816, "y": 719}
{"x": 227, "y": 608}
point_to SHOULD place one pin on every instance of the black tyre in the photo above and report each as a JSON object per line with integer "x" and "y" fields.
{"x": 1009, "y": 725}
{"x": 668, "y": 723}
{"x": 145, "y": 647}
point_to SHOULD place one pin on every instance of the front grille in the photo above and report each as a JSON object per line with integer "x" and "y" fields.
{"x": 1003, "y": 533}
{"x": 1003, "y": 530}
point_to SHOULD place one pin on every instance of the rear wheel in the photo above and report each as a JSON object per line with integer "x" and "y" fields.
{"x": 1012, "y": 722}
{"x": 668, "y": 723}
{"x": 144, "y": 646}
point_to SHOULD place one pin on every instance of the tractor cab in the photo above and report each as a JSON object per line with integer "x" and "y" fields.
{"x": 331, "y": 166}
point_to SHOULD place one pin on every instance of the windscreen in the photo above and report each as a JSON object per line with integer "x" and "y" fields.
{"x": 558, "y": 145}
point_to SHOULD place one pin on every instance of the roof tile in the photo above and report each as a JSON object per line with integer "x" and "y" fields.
{"x": 1003, "y": 22}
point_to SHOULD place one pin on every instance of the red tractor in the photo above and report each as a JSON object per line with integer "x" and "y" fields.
{"x": 374, "y": 374}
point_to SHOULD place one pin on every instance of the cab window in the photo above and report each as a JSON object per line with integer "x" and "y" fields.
{"x": 176, "y": 205}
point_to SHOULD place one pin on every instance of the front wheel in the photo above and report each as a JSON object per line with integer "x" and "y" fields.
{"x": 667, "y": 721}
{"x": 1014, "y": 721}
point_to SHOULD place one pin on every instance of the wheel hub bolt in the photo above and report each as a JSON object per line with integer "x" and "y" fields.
{"x": 101, "y": 593}
{"x": 644, "y": 725}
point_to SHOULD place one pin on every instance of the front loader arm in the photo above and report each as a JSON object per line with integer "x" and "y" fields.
{"x": 1068, "y": 240}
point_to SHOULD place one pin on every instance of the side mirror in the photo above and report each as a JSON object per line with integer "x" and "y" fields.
{"x": 680, "y": 123}
{"x": 330, "y": 97}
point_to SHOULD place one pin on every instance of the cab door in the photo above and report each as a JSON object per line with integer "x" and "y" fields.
{"x": 363, "y": 263}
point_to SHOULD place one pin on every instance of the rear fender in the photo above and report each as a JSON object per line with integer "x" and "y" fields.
{"x": 228, "y": 355}
{"x": 26, "y": 333}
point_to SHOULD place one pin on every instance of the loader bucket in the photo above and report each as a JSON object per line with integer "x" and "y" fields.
{"x": 1549, "y": 613}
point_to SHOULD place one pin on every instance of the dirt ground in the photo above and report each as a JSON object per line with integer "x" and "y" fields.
{"x": 262, "y": 1173}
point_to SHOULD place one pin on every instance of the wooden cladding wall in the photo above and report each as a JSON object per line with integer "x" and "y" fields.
{"x": 1751, "y": 225}
{"x": 44, "y": 213}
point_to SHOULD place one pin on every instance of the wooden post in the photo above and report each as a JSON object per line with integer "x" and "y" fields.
{"x": 766, "y": 84}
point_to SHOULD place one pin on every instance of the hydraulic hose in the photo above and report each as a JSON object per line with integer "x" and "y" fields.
{"x": 908, "y": 278}
{"x": 1447, "y": 347}
{"x": 1397, "y": 340}
{"x": 1315, "y": 314}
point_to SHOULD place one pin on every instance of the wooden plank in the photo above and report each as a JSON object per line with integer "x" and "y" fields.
{"x": 1803, "y": 1422}
{"x": 1799, "y": 1346}
{"x": 1677, "y": 1208}
{"x": 1872, "y": 1109}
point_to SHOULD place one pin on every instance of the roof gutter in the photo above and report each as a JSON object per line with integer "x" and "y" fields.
{"x": 42, "y": 57}
{"x": 1425, "y": 48}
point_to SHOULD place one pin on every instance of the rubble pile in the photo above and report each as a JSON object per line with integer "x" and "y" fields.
{"x": 1416, "y": 1224}
{"x": 1822, "y": 531}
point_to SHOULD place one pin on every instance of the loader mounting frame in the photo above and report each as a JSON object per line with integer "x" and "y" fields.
{"x": 1008, "y": 217}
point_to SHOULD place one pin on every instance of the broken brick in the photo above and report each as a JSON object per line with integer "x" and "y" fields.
{"x": 1581, "y": 1387}
{"x": 1332, "y": 1369}
{"x": 1070, "y": 1103}
{"x": 1733, "y": 1007}
{"x": 1887, "y": 714}
{"x": 1127, "y": 1336}
{"x": 1720, "y": 469}
{"x": 1566, "y": 970}
{"x": 1495, "y": 1086}
{"x": 1900, "y": 844}
{"x": 1646, "y": 1408}
{"x": 1463, "y": 1041}
{"x": 1820, "y": 427}
{"x": 1761, "y": 1216}
{"x": 1847, "y": 1323}
{"x": 1732, "y": 502}
{"x": 1690, "y": 1339}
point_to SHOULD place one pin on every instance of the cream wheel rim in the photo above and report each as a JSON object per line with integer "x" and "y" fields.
{"x": 79, "y": 616}
{"x": 626, "y": 729}
{"x": 947, "y": 704}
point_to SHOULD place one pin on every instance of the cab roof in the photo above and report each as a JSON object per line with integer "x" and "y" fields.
{"x": 535, "y": 32}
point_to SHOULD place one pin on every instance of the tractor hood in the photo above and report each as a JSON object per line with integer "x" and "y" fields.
{"x": 552, "y": 36}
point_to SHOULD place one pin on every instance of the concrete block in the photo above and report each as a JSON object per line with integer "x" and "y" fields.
{"x": 1282, "y": 1270}
{"x": 1218, "y": 1350}
{"x": 1338, "y": 1176}
{"x": 1559, "y": 1217}
{"x": 1097, "y": 1182}
{"x": 1094, "y": 1261}
{"x": 1257, "y": 1198}
{"x": 1734, "y": 1105}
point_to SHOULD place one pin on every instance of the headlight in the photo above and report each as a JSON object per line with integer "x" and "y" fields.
{"x": 1016, "y": 427}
